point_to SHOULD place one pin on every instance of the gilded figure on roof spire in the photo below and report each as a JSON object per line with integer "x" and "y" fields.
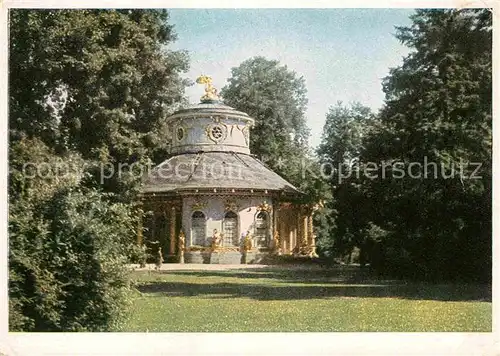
{"x": 210, "y": 90}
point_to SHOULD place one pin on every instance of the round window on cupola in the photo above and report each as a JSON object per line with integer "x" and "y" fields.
{"x": 216, "y": 132}
{"x": 179, "y": 133}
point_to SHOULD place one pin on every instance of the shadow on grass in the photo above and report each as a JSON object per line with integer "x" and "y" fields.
{"x": 330, "y": 283}
{"x": 289, "y": 275}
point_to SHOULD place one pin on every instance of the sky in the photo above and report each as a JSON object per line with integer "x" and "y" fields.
{"x": 343, "y": 54}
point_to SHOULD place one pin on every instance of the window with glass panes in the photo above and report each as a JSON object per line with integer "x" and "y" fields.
{"x": 261, "y": 228}
{"x": 198, "y": 228}
{"x": 230, "y": 229}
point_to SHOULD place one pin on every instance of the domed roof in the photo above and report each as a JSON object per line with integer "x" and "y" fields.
{"x": 210, "y": 108}
{"x": 210, "y": 152}
{"x": 205, "y": 171}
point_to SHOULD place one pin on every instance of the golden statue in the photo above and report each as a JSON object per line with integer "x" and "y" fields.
{"x": 247, "y": 242}
{"x": 216, "y": 239}
{"x": 210, "y": 91}
{"x": 182, "y": 246}
{"x": 264, "y": 207}
{"x": 182, "y": 241}
{"x": 276, "y": 243}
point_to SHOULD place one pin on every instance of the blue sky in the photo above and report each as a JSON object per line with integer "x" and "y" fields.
{"x": 342, "y": 53}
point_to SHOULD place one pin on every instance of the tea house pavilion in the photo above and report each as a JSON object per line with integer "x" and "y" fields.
{"x": 211, "y": 201}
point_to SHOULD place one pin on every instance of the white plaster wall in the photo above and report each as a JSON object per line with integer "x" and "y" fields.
{"x": 214, "y": 210}
{"x": 196, "y": 138}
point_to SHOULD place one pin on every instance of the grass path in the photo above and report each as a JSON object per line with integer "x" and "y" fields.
{"x": 274, "y": 299}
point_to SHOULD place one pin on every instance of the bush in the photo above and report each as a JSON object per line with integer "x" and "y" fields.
{"x": 138, "y": 254}
{"x": 68, "y": 263}
{"x": 68, "y": 249}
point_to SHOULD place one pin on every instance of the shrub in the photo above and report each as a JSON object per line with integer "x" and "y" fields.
{"x": 68, "y": 249}
{"x": 68, "y": 263}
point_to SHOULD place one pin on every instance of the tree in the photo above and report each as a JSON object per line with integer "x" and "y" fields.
{"x": 438, "y": 110}
{"x": 67, "y": 246}
{"x": 88, "y": 90}
{"x": 276, "y": 98}
{"x": 342, "y": 143}
{"x": 98, "y": 82}
{"x": 343, "y": 133}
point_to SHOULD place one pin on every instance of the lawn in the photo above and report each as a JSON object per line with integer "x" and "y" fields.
{"x": 300, "y": 300}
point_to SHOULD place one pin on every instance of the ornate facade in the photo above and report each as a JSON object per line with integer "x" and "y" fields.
{"x": 212, "y": 201}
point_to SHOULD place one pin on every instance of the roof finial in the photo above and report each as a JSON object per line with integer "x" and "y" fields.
{"x": 210, "y": 91}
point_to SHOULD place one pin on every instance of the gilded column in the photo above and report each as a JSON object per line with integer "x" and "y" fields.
{"x": 313, "y": 237}
{"x": 139, "y": 228}
{"x": 182, "y": 246}
{"x": 310, "y": 230}
{"x": 172, "y": 231}
{"x": 276, "y": 233}
{"x": 305, "y": 233}
{"x": 298, "y": 235}
{"x": 281, "y": 230}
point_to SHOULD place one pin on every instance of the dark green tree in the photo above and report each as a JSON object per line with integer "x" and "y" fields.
{"x": 344, "y": 132}
{"x": 98, "y": 82}
{"x": 87, "y": 89}
{"x": 67, "y": 246}
{"x": 276, "y": 98}
{"x": 438, "y": 113}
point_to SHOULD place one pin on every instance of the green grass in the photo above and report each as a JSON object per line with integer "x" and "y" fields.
{"x": 275, "y": 299}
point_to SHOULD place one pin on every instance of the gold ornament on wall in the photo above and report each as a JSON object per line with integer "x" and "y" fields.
{"x": 231, "y": 205}
{"x": 198, "y": 205}
{"x": 264, "y": 207}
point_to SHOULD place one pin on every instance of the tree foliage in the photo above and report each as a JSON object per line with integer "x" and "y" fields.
{"x": 344, "y": 133}
{"x": 88, "y": 90}
{"x": 432, "y": 133}
{"x": 67, "y": 248}
{"x": 276, "y": 98}
{"x": 438, "y": 108}
{"x": 97, "y": 82}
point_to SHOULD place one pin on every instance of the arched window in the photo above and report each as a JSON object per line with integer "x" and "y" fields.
{"x": 261, "y": 229}
{"x": 230, "y": 229}
{"x": 198, "y": 228}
